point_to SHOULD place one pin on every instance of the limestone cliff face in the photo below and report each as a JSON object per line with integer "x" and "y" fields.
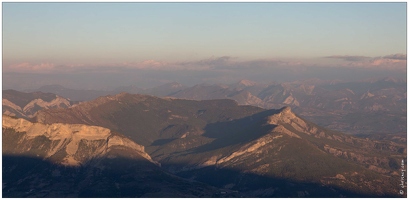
{"x": 246, "y": 98}
{"x": 66, "y": 144}
{"x": 11, "y": 109}
{"x": 289, "y": 133}
{"x": 343, "y": 146}
{"x": 287, "y": 117}
{"x": 30, "y": 109}
{"x": 58, "y": 102}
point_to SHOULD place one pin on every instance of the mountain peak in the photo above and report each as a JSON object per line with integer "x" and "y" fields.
{"x": 393, "y": 80}
{"x": 121, "y": 95}
{"x": 285, "y": 115}
{"x": 285, "y": 109}
{"x": 247, "y": 83}
{"x": 175, "y": 84}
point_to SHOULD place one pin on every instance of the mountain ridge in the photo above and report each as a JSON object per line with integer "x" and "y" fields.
{"x": 26, "y": 105}
{"x": 222, "y": 134}
{"x": 67, "y": 137}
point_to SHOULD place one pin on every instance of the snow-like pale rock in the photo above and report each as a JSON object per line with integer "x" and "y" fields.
{"x": 69, "y": 136}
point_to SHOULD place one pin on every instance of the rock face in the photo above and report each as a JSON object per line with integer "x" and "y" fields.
{"x": 26, "y": 105}
{"x": 58, "y": 102}
{"x": 246, "y": 83}
{"x": 65, "y": 144}
{"x": 11, "y": 109}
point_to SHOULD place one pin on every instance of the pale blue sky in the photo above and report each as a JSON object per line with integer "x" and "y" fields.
{"x": 101, "y": 33}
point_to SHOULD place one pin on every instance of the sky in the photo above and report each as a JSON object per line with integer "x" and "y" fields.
{"x": 83, "y": 37}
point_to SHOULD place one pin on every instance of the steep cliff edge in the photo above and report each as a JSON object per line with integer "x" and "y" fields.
{"x": 73, "y": 160}
{"x": 66, "y": 144}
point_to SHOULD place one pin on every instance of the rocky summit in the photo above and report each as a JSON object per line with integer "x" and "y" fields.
{"x": 26, "y": 105}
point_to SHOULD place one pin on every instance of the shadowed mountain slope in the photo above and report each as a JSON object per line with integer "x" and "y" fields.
{"x": 72, "y": 160}
{"x": 223, "y": 135}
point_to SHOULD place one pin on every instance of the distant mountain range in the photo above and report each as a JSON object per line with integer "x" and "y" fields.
{"x": 86, "y": 95}
{"x": 207, "y": 141}
{"x": 257, "y": 152}
{"x": 371, "y": 95}
{"x": 380, "y": 104}
{"x": 365, "y": 108}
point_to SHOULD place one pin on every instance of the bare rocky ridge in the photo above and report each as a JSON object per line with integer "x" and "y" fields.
{"x": 72, "y": 141}
{"x": 26, "y": 105}
{"x": 298, "y": 154}
{"x": 58, "y": 102}
{"x": 346, "y": 147}
{"x": 12, "y": 109}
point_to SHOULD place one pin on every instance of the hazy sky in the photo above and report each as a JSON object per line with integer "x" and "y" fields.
{"x": 65, "y": 37}
{"x": 83, "y": 33}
